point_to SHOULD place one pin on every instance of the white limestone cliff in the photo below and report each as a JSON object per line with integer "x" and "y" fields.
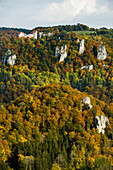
{"x": 86, "y": 102}
{"x": 101, "y": 122}
{"x": 57, "y": 52}
{"x": 101, "y": 53}
{"x": 11, "y": 59}
{"x": 81, "y": 46}
{"x": 63, "y": 53}
{"x": 8, "y": 58}
{"x": 78, "y": 40}
{"x": 89, "y": 67}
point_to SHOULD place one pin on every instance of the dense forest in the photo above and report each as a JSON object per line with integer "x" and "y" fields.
{"x": 42, "y": 123}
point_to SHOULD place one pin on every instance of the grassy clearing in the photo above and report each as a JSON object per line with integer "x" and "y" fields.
{"x": 83, "y": 32}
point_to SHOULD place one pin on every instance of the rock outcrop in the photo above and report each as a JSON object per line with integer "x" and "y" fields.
{"x": 8, "y": 58}
{"x": 61, "y": 53}
{"x": 81, "y": 46}
{"x": 89, "y": 67}
{"x": 86, "y": 103}
{"x": 101, "y": 122}
{"x": 78, "y": 40}
{"x": 11, "y": 59}
{"x": 57, "y": 52}
{"x": 101, "y": 53}
{"x": 0, "y": 47}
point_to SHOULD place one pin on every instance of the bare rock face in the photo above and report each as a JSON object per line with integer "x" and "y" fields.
{"x": 101, "y": 53}
{"x": 78, "y": 40}
{"x": 57, "y": 52}
{"x": 89, "y": 67}
{"x": 86, "y": 103}
{"x": 8, "y": 58}
{"x": 8, "y": 52}
{"x": 3, "y": 60}
{"x": 11, "y": 59}
{"x": 63, "y": 53}
{"x": 101, "y": 122}
{"x": 81, "y": 46}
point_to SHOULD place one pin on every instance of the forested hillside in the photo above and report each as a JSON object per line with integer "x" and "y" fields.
{"x": 43, "y": 124}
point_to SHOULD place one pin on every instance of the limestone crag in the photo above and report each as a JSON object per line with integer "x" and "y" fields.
{"x": 89, "y": 67}
{"x": 8, "y": 58}
{"x": 11, "y": 59}
{"x": 101, "y": 53}
{"x": 63, "y": 53}
{"x": 86, "y": 103}
{"x": 78, "y": 40}
{"x": 81, "y": 46}
{"x": 57, "y": 52}
{"x": 101, "y": 122}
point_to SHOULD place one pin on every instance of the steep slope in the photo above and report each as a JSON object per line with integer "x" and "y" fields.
{"x": 46, "y": 127}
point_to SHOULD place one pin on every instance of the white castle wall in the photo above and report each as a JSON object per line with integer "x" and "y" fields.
{"x": 31, "y": 35}
{"x": 21, "y": 34}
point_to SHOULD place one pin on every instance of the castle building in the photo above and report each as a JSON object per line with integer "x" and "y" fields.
{"x": 33, "y": 34}
{"x": 101, "y": 53}
{"x": 50, "y": 34}
{"x": 21, "y": 34}
{"x": 41, "y": 34}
